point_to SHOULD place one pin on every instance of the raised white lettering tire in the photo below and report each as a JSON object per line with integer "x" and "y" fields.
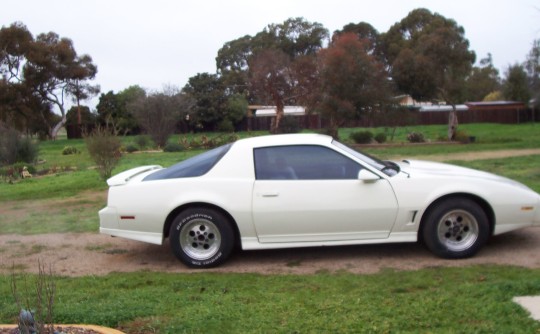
{"x": 201, "y": 237}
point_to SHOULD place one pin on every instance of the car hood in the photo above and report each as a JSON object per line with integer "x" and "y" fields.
{"x": 418, "y": 168}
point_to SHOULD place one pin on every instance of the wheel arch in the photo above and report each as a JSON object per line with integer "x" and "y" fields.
{"x": 486, "y": 207}
{"x": 178, "y": 210}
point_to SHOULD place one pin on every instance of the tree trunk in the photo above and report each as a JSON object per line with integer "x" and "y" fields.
{"x": 452, "y": 123}
{"x": 279, "y": 115}
{"x": 54, "y": 131}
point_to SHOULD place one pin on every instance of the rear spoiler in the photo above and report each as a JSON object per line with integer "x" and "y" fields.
{"x": 124, "y": 177}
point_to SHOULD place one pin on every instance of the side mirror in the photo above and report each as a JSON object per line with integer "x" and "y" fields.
{"x": 367, "y": 176}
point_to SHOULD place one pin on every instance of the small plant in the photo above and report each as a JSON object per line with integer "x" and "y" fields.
{"x": 362, "y": 137}
{"x": 68, "y": 150}
{"x": 35, "y": 303}
{"x": 173, "y": 147}
{"x": 143, "y": 141}
{"x": 104, "y": 149}
{"x": 380, "y": 137}
{"x": 130, "y": 148}
{"x": 463, "y": 137}
{"x": 415, "y": 137}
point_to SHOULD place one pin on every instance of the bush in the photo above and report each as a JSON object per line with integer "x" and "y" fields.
{"x": 362, "y": 137}
{"x": 289, "y": 124}
{"x": 380, "y": 137}
{"x": 143, "y": 141}
{"x": 415, "y": 137}
{"x": 130, "y": 148}
{"x": 173, "y": 147}
{"x": 104, "y": 149}
{"x": 68, "y": 150}
{"x": 16, "y": 148}
{"x": 226, "y": 126}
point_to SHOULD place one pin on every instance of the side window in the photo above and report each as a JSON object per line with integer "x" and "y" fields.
{"x": 303, "y": 162}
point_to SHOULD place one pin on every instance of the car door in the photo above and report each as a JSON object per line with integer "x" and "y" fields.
{"x": 310, "y": 193}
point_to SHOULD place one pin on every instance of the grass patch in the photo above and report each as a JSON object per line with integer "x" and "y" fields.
{"x": 524, "y": 169}
{"x": 439, "y": 300}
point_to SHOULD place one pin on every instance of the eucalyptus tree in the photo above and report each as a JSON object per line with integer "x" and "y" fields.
{"x": 46, "y": 68}
{"x": 429, "y": 58}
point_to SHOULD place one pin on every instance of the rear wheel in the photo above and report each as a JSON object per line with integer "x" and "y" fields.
{"x": 455, "y": 228}
{"x": 201, "y": 237}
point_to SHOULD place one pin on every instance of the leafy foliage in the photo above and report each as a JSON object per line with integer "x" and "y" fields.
{"x": 42, "y": 70}
{"x": 158, "y": 113}
{"x": 16, "y": 148}
{"x": 362, "y": 137}
{"x": 344, "y": 67}
{"x": 515, "y": 86}
{"x": 104, "y": 149}
{"x": 429, "y": 56}
{"x": 416, "y": 137}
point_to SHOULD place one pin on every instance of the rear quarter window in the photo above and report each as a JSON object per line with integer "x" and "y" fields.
{"x": 192, "y": 167}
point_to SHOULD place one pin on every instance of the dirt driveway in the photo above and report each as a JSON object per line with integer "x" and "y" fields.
{"x": 94, "y": 254}
{"x": 80, "y": 254}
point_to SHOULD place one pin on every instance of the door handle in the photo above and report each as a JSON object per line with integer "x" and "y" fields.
{"x": 271, "y": 194}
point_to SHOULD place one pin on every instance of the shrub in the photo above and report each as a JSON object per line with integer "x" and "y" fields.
{"x": 16, "y": 148}
{"x": 130, "y": 148}
{"x": 415, "y": 137}
{"x": 462, "y": 137}
{"x": 143, "y": 141}
{"x": 173, "y": 147}
{"x": 226, "y": 125}
{"x": 362, "y": 137}
{"x": 380, "y": 137}
{"x": 70, "y": 150}
{"x": 104, "y": 149}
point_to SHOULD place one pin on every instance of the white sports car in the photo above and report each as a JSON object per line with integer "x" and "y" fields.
{"x": 309, "y": 190}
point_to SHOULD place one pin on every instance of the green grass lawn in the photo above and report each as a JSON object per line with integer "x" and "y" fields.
{"x": 439, "y": 300}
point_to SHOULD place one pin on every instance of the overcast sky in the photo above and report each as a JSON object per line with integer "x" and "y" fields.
{"x": 160, "y": 42}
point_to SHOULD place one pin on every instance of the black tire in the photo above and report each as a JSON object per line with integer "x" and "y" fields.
{"x": 201, "y": 237}
{"x": 455, "y": 229}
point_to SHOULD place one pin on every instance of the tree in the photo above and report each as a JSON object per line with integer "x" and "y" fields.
{"x": 234, "y": 112}
{"x": 532, "y": 65}
{"x": 429, "y": 58}
{"x": 18, "y": 106}
{"x": 158, "y": 113}
{"x": 53, "y": 69}
{"x": 353, "y": 82}
{"x": 232, "y": 64}
{"x": 365, "y": 31}
{"x": 482, "y": 81}
{"x": 241, "y": 61}
{"x": 271, "y": 79}
{"x": 515, "y": 85}
{"x": 15, "y": 43}
{"x": 113, "y": 112}
{"x": 208, "y": 94}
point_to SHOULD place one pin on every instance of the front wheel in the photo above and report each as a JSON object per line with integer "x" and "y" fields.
{"x": 201, "y": 238}
{"x": 455, "y": 228}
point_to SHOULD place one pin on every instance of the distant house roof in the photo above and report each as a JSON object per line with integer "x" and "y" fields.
{"x": 269, "y": 111}
{"x": 496, "y": 105}
{"x": 443, "y": 108}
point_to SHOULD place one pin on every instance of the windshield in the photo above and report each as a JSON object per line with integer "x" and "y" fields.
{"x": 387, "y": 167}
{"x": 192, "y": 167}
